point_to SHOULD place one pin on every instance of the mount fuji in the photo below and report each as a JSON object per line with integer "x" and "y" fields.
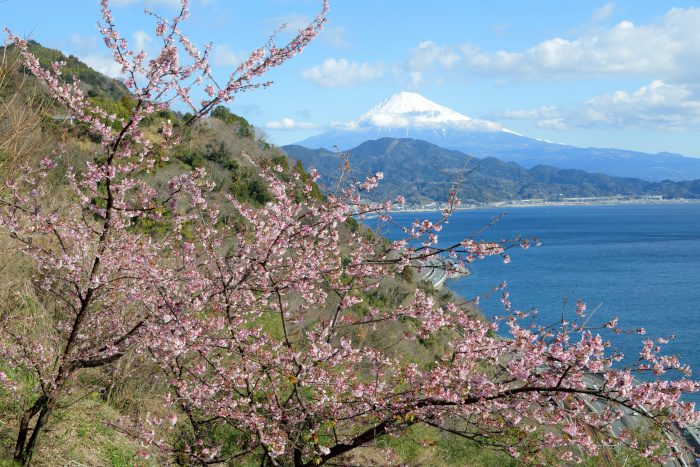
{"x": 406, "y": 115}
{"x": 412, "y": 111}
{"x": 410, "y": 115}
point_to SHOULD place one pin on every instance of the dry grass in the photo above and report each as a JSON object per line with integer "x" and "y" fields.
{"x": 22, "y": 107}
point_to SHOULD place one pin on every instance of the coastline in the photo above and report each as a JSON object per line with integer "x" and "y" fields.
{"x": 434, "y": 207}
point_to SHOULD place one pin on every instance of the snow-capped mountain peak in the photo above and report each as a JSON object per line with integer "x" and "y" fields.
{"x": 411, "y": 110}
{"x": 409, "y": 115}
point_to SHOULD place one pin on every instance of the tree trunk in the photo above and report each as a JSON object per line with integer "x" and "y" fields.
{"x": 298, "y": 460}
{"x": 24, "y": 426}
{"x": 23, "y": 453}
{"x": 40, "y": 424}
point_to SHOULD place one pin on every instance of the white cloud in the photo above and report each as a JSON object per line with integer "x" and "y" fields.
{"x": 341, "y": 73}
{"x": 352, "y": 126}
{"x": 89, "y": 49}
{"x": 104, "y": 63}
{"x": 662, "y": 49}
{"x": 415, "y": 77}
{"x": 476, "y": 124}
{"x": 334, "y": 36}
{"x": 397, "y": 121}
{"x": 665, "y": 48}
{"x": 142, "y": 39}
{"x": 658, "y": 106}
{"x": 222, "y": 55}
{"x": 428, "y": 57}
{"x": 428, "y": 54}
{"x": 389, "y": 121}
{"x": 553, "y": 124}
{"x": 384, "y": 120}
{"x": 430, "y": 63}
{"x": 289, "y": 124}
{"x": 603, "y": 12}
{"x": 469, "y": 51}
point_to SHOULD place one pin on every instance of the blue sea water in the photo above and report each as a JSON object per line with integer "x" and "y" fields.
{"x": 640, "y": 263}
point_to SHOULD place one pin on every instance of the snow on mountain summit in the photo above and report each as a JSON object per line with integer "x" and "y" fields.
{"x": 410, "y": 115}
{"x": 411, "y": 110}
{"x": 404, "y": 108}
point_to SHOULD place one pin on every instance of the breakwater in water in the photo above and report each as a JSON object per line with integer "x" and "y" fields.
{"x": 437, "y": 269}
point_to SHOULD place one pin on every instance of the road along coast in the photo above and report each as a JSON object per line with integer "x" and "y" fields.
{"x": 437, "y": 269}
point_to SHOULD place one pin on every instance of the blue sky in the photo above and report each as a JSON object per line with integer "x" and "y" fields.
{"x": 587, "y": 73}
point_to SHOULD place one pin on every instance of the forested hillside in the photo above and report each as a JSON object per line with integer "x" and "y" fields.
{"x": 420, "y": 171}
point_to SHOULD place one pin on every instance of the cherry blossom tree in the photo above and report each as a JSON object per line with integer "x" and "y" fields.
{"x": 255, "y": 324}
{"x": 105, "y": 276}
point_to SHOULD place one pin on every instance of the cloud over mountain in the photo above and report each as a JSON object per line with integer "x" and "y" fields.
{"x": 662, "y": 49}
{"x": 342, "y": 73}
{"x": 289, "y": 124}
{"x": 657, "y": 106}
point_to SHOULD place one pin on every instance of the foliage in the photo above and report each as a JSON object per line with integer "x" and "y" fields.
{"x": 306, "y": 178}
{"x": 96, "y": 82}
{"x": 407, "y": 274}
{"x": 244, "y": 129}
{"x": 252, "y": 323}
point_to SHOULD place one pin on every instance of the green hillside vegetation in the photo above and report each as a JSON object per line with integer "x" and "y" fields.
{"x": 420, "y": 171}
{"x": 89, "y": 78}
{"x": 227, "y": 147}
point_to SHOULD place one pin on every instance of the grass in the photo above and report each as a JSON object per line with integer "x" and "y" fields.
{"x": 78, "y": 435}
{"x": 424, "y": 446}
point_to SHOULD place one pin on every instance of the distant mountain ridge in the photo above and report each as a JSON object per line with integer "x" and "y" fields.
{"x": 409, "y": 115}
{"x": 420, "y": 171}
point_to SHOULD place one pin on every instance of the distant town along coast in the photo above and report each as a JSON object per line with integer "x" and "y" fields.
{"x": 601, "y": 201}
